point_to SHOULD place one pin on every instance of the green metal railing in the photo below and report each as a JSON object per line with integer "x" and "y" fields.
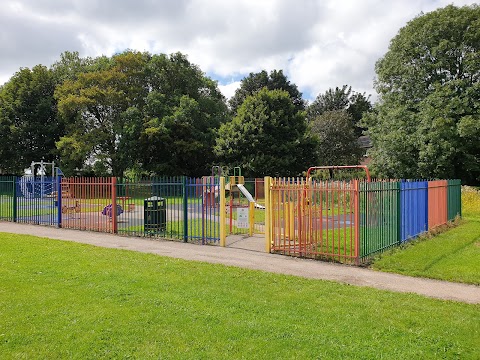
{"x": 454, "y": 199}
{"x": 379, "y": 217}
{"x": 8, "y": 197}
{"x": 180, "y": 208}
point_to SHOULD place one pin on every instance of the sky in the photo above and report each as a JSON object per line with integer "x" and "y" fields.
{"x": 319, "y": 44}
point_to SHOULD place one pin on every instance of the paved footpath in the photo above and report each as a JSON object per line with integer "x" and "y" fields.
{"x": 262, "y": 261}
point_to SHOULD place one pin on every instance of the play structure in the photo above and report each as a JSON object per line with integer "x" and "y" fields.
{"x": 39, "y": 180}
{"x": 242, "y": 205}
{"x": 35, "y": 193}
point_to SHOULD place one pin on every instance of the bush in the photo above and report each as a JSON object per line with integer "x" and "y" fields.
{"x": 470, "y": 200}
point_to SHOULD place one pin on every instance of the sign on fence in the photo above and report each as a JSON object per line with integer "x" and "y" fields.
{"x": 242, "y": 218}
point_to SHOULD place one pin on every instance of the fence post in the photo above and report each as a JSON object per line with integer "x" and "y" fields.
{"x": 222, "y": 212}
{"x": 427, "y": 223}
{"x": 185, "y": 210}
{"x": 59, "y": 201}
{"x": 251, "y": 220}
{"x": 399, "y": 212}
{"x": 15, "y": 180}
{"x": 459, "y": 193}
{"x": 356, "y": 197}
{"x": 268, "y": 215}
{"x": 114, "y": 205}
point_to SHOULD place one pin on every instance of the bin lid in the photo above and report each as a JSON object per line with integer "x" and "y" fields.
{"x": 155, "y": 198}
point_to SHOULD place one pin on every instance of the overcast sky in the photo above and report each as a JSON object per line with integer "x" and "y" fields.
{"x": 319, "y": 44}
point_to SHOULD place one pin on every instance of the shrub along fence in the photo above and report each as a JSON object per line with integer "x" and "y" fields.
{"x": 187, "y": 209}
{"x": 349, "y": 221}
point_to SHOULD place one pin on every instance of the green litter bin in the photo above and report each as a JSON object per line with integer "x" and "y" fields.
{"x": 155, "y": 214}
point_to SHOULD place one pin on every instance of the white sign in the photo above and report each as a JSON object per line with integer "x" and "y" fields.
{"x": 242, "y": 218}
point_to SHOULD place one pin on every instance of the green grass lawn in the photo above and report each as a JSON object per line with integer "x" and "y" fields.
{"x": 453, "y": 255}
{"x": 66, "y": 300}
{"x": 175, "y": 230}
{"x": 6, "y": 207}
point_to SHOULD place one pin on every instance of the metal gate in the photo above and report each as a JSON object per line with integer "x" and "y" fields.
{"x": 315, "y": 219}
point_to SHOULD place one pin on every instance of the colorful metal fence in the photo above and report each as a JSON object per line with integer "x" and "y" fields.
{"x": 414, "y": 208}
{"x": 454, "y": 199}
{"x": 86, "y": 203}
{"x": 345, "y": 221}
{"x": 437, "y": 203}
{"x": 36, "y": 200}
{"x": 202, "y": 213}
{"x": 145, "y": 203}
{"x": 379, "y": 217}
{"x": 169, "y": 207}
{"x": 351, "y": 221}
{"x": 314, "y": 219}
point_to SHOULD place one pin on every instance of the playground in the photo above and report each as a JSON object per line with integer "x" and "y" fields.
{"x": 346, "y": 221}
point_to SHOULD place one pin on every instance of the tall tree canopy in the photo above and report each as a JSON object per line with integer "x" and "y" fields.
{"x": 276, "y": 80}
{"x": 427, "y": 123}
{"x": 29, "y": 126}
{"x": 354, "y": 103}
{"x": 267, "y": 137}
{"x": 337, "y": 141}
{"x": 70, "y": 65}
{"x": 97, "y": 102}
{"x": 184, "y": 110}
{"x": 158, "y": 113}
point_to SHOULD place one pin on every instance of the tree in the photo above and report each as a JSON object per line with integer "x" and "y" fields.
{"x": 156, "y": 113}
{"x": 71, "y": 65}
{"x": 29, "y": 126}
{"x": 427, "y": 121}
{"x": 337, "y": 141}
{"x": 354, "y": 103}
{"x": 257, "y": 81}
{"x": 181, "y": 141}
{"x": 98, "y": 102}
{"x": 183, "y": 112}
{"x": 267, "y": 137}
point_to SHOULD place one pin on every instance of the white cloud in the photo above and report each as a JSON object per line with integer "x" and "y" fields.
{"x": 228, "y": 90}
{"x": 318, "y": 43}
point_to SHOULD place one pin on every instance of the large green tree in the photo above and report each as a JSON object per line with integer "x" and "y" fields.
{"x": 29, "y": 126}
{"x": 276, "y": 80}
{"x": 98, "y": 102}
{"x": 153, "y": 113}
{"x": 354, "y": 103}
{"x": 183, "y": 112}
{"x": 337, "y": 141}
{"x": 426, "y": 123}
{"x": 268, "y": 136}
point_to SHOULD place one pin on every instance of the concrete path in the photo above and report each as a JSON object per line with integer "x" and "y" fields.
{"x": 234, "y": 255}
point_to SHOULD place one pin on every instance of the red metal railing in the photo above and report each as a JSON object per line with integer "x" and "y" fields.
{"x": 89, "y": 204}
{"x": 437, "y": 203}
